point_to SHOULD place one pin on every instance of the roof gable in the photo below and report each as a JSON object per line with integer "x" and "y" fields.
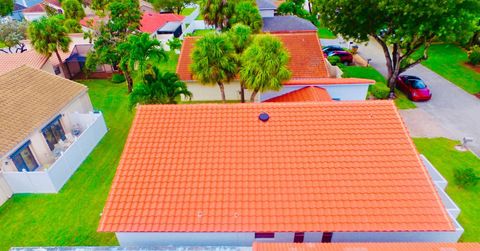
{"x": 280, "y": 24}
{"x": 312, "y": 167}
{"x": 305, "y": 94}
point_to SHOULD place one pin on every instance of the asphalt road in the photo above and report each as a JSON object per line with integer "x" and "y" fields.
{"x": 451, "y": 113}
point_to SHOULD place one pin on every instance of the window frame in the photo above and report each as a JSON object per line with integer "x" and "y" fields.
{"x": 48, "y": 128}
{"x": 23, "y": 166}
{"x": 265, "y": 235}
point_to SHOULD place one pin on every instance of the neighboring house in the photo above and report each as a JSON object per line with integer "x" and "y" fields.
{"x": 232, "y": 174}
{"x": 39, "y": 10}
{"x": 307, "y": 63}
{"x": 11, "y": 61}
{"x": 281, "y": 24}
{"x": 304, "y": 94}
{"x": 162, "y": 26}
{"x": 146, "y": 6}
{"x": 366, "y": 246}
{"x": 48, "y": 128}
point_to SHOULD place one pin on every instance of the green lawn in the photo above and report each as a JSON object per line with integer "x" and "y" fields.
{"x": 2, "y": 44}
{"x": 401, "y": 101}
{"x": 187, "y": 11}
{"x": 325, "y": 33}
{"x": 202, "y": 32}
{"x": 445, "y": 158}
{"x": 71, "y": 217}
{"x": 171, "y": 64}
{"x": 448, "y": 61}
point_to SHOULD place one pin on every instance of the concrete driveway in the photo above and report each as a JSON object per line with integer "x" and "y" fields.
{"x": 451, "y": 113}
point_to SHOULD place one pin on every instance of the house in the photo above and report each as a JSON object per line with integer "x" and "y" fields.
{"x": 366, "y": 246}
{"x": 232, "y": 174}
{"x": 11, "y": 61}
{"x": 18, "y": 7}
{"x": 281, "y": 24}
{"x": 48, "y": 128}
{"x": 39, "y": 10}
{"x": 307, "y": 63}
{"x": 162, "y": 26}
{"x": 304, "y": 94}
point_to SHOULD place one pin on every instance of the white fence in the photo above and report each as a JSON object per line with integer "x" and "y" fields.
{"x": 54, "y": 177}
{"x": 190, "y": 24}
{"x": 5, "y": 191}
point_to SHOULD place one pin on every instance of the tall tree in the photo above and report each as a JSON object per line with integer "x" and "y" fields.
{"x": 159, "y": 88}
{"x": 73, "y": 9}
{"x": 6, "y": 7}
{"x": 124, "y": 20}
{"x": 214, "y": 61}
{"x": 404, "y": 29}
{"x": 48, "y": 36}
{"x": 171, "y": 5}
{"x": 100, "y": 6}
{"x": 217, "y": 12}
{"x": 241, "y": 37}
{"x": 248, "y": 14}
{"x": 11, "y": 34}
{"x": 139, "y": 50}
{"x": 264, "y": 65}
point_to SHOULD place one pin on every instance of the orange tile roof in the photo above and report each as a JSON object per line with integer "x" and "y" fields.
{"x": 305, "y": 94}
{"x": 306, "y": 56}
{"x": 329, "y": 81}
{"x": 424, "y": 246}
{"x": 312, "y": 167}
{"x": 12, "y": 61}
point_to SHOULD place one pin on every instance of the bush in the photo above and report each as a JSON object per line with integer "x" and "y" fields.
{"x": 474, "y": 57}
{"x": 174, "y": 44}
{"x": 380, "y": 90}
{"x": 334, "y": 60}
{"x": 118, "y": 78}
{"x": 465, "y": 177}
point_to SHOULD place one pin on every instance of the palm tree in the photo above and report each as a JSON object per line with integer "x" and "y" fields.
{"x": 248, "y": 14}
{"x": 264, "y": 65}
{"x": 214, "y": 61}
{"x": 241, "y": 37}
{"x": 48, "y": 35}
{"x": 138, "y": 51}
{"x": 159, "y": 88}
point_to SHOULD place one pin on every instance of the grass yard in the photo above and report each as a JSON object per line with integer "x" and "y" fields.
{"x": 187, "y": 11}
{"x": 171, "y": 64}
{"x": 2, "y": 44}
{"x": 199, "y": 33}
{"x": 445, "y": 158}
{"x": 71, "y": 217}
{"x": 325, "y": 33}
{"x": 401, "y": 101}
{"x": 448, "y": 61}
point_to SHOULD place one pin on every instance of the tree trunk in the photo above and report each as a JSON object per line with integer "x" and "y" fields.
{"x": 254, "y": 94}
{"x": 222, "y": 91}
{"x": 129, "y": 79}
{"x": 62, "y": 66}
{"x": 242, "y": 91}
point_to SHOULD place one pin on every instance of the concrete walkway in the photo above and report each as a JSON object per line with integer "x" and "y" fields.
{"x": 451, "y": 113}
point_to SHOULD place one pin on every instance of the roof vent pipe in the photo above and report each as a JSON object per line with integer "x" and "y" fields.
{"x": 263, "y": 117}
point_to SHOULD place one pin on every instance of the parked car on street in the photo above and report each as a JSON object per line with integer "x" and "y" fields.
{"x": 329, "y": 48}
{"x": 345, "y": 56}
{"x": 414, "y": 87}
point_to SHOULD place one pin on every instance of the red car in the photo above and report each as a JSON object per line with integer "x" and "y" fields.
{"x": 414, "y": 88}
{"x": 345, "y": 56}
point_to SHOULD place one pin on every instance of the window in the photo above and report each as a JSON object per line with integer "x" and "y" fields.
{"x": 327, "y": 237}
{"x": 53, "y": 133}
{"x": 24, "y": 159}
{"x": 264, "y": 235}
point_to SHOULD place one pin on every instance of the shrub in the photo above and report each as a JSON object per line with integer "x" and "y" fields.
{"x": 380, "y": 90}
{"x": 474, "y": 57}
{"x": 465, "y": 177}
{"x": 334, "y": 60}
{"x": 174, "y": 44}
{"x": 118, "y": 78}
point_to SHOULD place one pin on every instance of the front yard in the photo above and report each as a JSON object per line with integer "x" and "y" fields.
{"x": 448, "y": 60}
{"x": 445, "y": 158}
{"x": 401, "y": 101}
{"x": 70, "y": 218}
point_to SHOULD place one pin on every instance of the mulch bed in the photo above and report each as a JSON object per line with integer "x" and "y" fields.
{"x": 477, "y": 95}
{"x": 473, "y": 67}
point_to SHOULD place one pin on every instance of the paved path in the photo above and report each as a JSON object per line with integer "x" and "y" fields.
{"x": 451, "y": 113}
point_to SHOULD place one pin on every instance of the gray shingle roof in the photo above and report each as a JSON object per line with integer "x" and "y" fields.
{"x": 287, "y": 24}
{"x": 266, "y": 5}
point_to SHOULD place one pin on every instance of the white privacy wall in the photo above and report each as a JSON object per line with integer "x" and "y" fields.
{"x": 347, "y": 92}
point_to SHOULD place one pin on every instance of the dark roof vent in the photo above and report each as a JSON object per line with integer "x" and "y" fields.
{"x": 263, "y": 116}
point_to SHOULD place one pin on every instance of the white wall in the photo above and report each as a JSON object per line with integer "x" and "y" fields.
{"x": 343, "y": 92}
{"x": 212, "y": 92}
{"x": 267, "y": 13}
{"x": 5, "y": 191}
{"x": 397, "y": 236}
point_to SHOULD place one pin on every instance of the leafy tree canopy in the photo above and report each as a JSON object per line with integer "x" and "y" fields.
{"x": 11, "y": 33}
{"x": 73, "y": 9}
{"x": 6, "y": 7}
{"x": 264, "y": 65}
{"x": 247, "y": 13}
{"x": 406, "y": 26}
{"x": 171, "y": 5}
{"x": 100, "y": 6}
{"x": 218, "y": 12}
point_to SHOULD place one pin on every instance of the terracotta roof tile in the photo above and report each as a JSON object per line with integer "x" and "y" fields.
{"x": 29, "y": 98}
{"x": 366, "y": 246}
{"x": 306, "y": 56}
{"x": 305, "y": 94}
{"x": 329, "y": 81}
{"x": 10, "y": 61}
{"x": 312, "y": 167}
